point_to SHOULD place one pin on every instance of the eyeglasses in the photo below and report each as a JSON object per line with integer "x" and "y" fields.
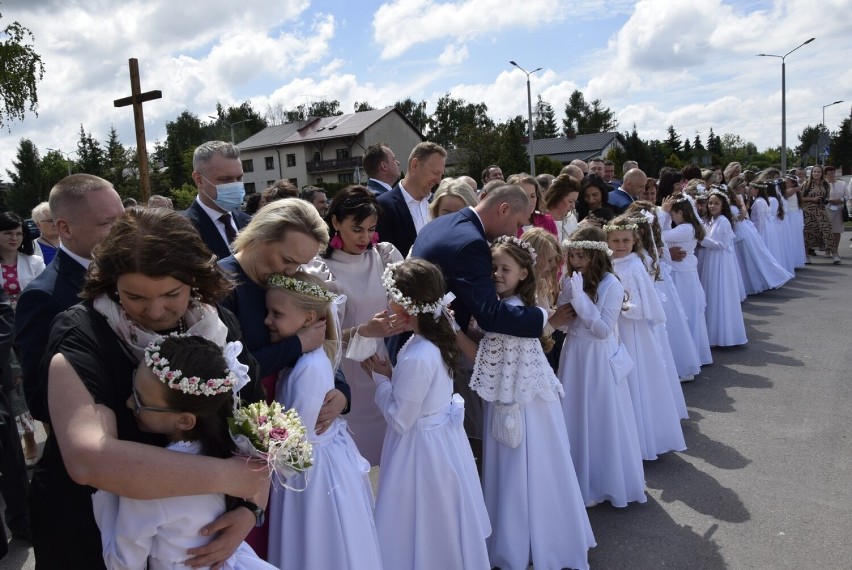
{"x": 137, "y": 404}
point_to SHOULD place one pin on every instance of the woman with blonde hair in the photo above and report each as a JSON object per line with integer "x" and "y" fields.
{"x": 452, "y": 195}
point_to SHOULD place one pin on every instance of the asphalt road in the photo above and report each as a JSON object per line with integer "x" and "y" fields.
{"x": 766, "y": 481}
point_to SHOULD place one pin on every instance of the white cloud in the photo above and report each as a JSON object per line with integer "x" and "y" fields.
{"x": 453, "y": 55}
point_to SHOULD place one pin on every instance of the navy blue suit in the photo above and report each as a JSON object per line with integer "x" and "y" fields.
{"x": 395, "y": 224}
{"x": 457, "y": 244}
{"x": 376, "y": 188}
{"x": 208, "y": 230}
{"x": 55, "y": 289}
{"x": 619, "y": 201}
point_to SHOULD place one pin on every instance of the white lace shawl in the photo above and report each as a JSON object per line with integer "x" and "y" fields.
{"x": 513, "y": 369}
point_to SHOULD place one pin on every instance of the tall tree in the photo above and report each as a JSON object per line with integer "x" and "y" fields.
{"x": 182, "y": 136}
{"x": 325, "y": 109}
{"x": 361, "y": 106}
{"x": 809, "y": 141}
{"x": 714, "y": 146}
{"x": 245, "y": 120}
{"x": 583, "y": 118}
{"x": 841, "y": 145}
{"x": 544, "y": 120}
{"x": 415, "y": 112}
{"x": 673, "y": 140}
{"x": 20, "y": 71}
{"x": 27, "y": 188}
{"x": 451, "y": 116}
{"x": 696, "y": 144}
{"x": 513, "y": 155}
{"x": 90, "y": 155}
{"x": 115, "y": 162}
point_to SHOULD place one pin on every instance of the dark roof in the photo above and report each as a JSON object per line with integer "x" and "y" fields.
{"x": 581, "y": 146}
{"x": 319, "y": 128}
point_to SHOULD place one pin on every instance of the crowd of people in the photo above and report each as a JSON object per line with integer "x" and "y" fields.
{"x": 508, "y": 356}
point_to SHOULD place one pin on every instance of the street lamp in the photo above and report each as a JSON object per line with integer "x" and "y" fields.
{"x": 529, "y": 114}
{"x": 231, "y": 124}
{"x": 67, "y": 159}
{"x": 823, "y": 130}
{"x": 784, "y": 101}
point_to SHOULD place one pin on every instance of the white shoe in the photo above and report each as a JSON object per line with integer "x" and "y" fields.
{"x": 836, "y": 260}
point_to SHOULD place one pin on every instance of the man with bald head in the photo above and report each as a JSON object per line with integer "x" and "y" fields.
{"x": 581, "y": 164}
{"x": 470, "y": 182}
{"x": 458, "y": 244}
{"x": 84, "y": 208}
{"x": 573, "y": 171}
{"x": 621, "y": 198}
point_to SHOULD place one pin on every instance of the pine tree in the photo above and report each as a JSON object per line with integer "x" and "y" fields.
{"x": 27, "y": 188}
{"x": 544, "y": 120}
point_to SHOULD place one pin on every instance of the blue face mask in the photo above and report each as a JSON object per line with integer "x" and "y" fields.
{"x": 229, "y": 196}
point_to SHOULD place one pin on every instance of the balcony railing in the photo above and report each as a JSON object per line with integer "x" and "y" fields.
{"x": 335, "y": 164}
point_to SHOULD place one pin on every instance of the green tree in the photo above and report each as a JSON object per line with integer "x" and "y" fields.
{"x": 182, "y": 136}
{"x": 361, "y": 106}
{"x": 20, "y": 71}
{"x": 414, "y": 112}
{"x": 714, "y": 146}
{"x": 90, "y": 155}
{"x": 53, "y": 168}
{"x": 513, "y": 156}
{"x": 696, "y": 144}
{"x": 546, "y": 165}
{"x": 27, "y": 187}
{"x": 583, "y": 118}
{"x": 638, "y": 150}
{"x": 452, "y": 116}
{"x": 673, "y": 141}
{"x": 183, "y": 196}
{"x": 245, "y": 119}
{"x": 324, "y": 109}
{"x": 809, "y": 141}
{"x": 544, "y": 121}
{"x": 841, "y": 146}
{"x": 115, "y": 163}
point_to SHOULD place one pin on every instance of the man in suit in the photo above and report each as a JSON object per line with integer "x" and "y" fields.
{"x": 621, "y": 198}
{"x": 458, "y": 244}
{"x": 218, "y": 175}
{"x": 382, "y": 167}
{"x": 405, "y": 209}
{"x": 84, "y": 207}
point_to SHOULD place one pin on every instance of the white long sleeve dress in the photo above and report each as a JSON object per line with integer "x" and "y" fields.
{"x": 718, "y": 274}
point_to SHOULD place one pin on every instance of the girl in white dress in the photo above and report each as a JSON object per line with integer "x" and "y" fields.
{"x": 537, "y": 510}
{"x": 764, "y": 210}
{"x": 718, "y": 274}
{"x": 678, "y": 209}
{"x": 654, "y": 406}
{"x": 678, "y": 347}
{"x": 759, "y": 270}
{"x": 795, "y": 220}
{"x": 184, "y": 390}
{"x": 429, "y": 510}
{"x": 322, "y": 518}
{"x": 598, "y": 410}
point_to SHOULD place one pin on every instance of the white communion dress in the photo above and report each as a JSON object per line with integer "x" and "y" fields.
{"x": 158, "y": 532}
{"x": 537, "y": 510}
{"x": 725, "y": 326}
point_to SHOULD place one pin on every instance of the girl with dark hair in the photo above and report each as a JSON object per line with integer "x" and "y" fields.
{"x": 677, "y": 210}
{"x": 150, "y": 277}
{"x": 18, "y": 266}
{"x": 654, "y": 405}
{"x": 355, "y": 260}
{"x": 429, "y": 510}
{"x": 183, "y": 389}
{"x": 719, "y": 274}
{"x": 527, "y": 466}
{"x": 670, "y": 181}
{"x": 593, "y": 194}
{"x": 598, "y": 410}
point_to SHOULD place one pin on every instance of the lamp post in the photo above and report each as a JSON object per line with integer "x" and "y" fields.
{"x": 67, "y": 159}
{"x": 230, "y": 124}
{"x": 823, "y": 130}
{"x": 784, "y": 100}
{"x": 529, "y": 114}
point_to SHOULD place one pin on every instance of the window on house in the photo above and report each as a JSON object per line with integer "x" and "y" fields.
{"x": 294, "y": 182}
{"x": 270, "y": 163}
{"x": 291, "y": 160}
{"x": 249, "y": 187}
{"x": 343, "y": 153}
{"x": 248, "y": 165}
{"x": 317, "y": 157}
{"x": 345, "y": 178}
{"x": 270, "y": 183}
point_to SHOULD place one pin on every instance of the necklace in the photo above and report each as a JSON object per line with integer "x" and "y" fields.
{"x": 181, "y": 326}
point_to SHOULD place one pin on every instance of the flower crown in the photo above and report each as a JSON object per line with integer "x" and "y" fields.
{"x": 587, "y": 244}
{"x": 628, "y": 227}
{"x": 720, "y": 194}
{"x": 174, "y": 379}
{"x": 518, "y": 242}
{"x": 406, "y": 303}
{"x": 681, "y": 200}
{"x": 299, "y": 286}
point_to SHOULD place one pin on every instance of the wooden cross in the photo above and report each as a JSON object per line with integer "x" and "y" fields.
{"x": 136, "y": 99}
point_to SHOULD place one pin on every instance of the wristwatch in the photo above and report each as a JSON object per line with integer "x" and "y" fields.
{"x": 259, "y": 514}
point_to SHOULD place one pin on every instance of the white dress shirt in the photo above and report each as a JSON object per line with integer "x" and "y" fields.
{"x": 419, "y": 209}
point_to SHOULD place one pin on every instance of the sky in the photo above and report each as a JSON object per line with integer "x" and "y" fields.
{"x": 690, "y": 64}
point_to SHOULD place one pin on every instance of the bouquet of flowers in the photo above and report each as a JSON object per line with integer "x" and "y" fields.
{"x": 274, "y": 435}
